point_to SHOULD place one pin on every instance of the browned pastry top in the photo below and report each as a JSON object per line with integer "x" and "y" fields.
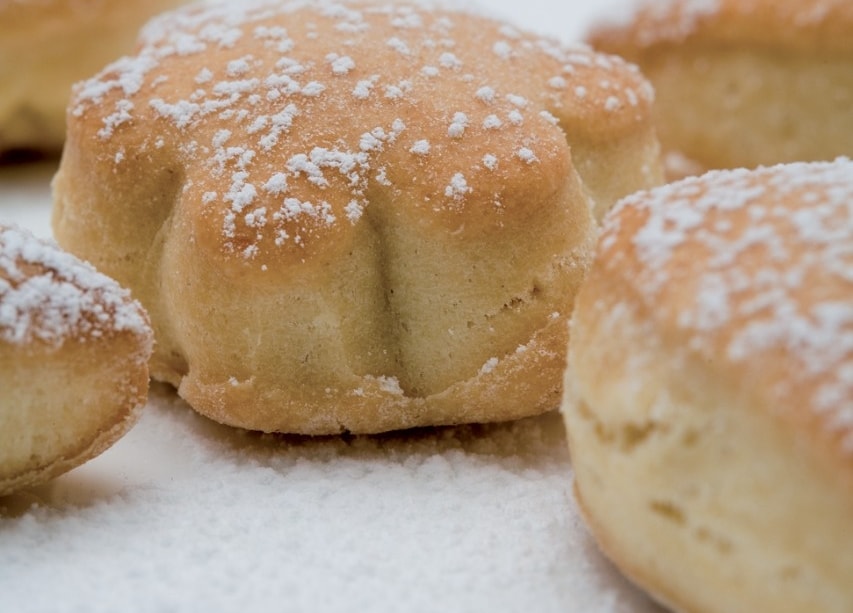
{"x": 285, "y": 133}
{"x": 48, "y": 296}
{"x": 754, "y": 271}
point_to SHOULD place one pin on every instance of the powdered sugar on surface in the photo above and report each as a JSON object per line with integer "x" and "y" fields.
{"x": 768, "y": 258}
{"x": 49, "y": 296}
{"x": 187, "y": 515}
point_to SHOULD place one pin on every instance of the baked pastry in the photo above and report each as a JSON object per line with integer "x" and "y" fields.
{"x": 742, "y": 83}
{"x": 74, "y": 351}
{"x": 709, "y": 393}
{"x": 352, "y": 217}
{"x": 45, "y": 46}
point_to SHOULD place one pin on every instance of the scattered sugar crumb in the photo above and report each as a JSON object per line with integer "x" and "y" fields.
{"x": 204, "y": 76}
{"x": 492, "y": 122}
{"x": 526, "y": 155}
{"x": 449, "y": 60}
{"x": 486, "y": 94}
{"x": 458, "y": 187}
{"x": 458, "y": 125}
{"x": 502, "y": 49}
{"x": 547, "y": 116}
{"x": 312, "y": 89}
{"x": 341, "y": 65}
{"x": 398, "y": 45}
{"x": 515, "y": 117}
{"x": 612, "y": 103}
{"x": 420, "y": 147}
{"x": 363, "y": 88}
{"x": 489, "y": 366}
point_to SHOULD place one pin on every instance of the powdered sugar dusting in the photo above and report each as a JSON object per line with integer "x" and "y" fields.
{"x": 526, "y": 154}
{"x": 455, "y": 519}
{"x": 47, "y": 295}
{"x": 458, "y": 125}
{"x": 449, "y": 60}
{"x": 489, "y": 366}
{"x": 291, "y": 118}
{"x": 340, "y": 64}
{"x": 457, "y": 188}
{"x": 420, "y": 147}
{"x": 775, "y": 274}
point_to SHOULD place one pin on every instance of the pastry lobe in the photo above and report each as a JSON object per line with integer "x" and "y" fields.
{"x": 74, "y": 351}
{"x": 352, "y": 216}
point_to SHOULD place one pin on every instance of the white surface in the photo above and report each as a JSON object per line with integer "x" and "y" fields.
{"x": 186, "y": 515}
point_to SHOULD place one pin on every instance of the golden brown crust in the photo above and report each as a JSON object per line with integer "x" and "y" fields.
{"x": 348, "y": 212}
{"x": 74, "y": 350}
{"x": 506, "y": 81}
{"x": 378, "y": 404}
{"x": 748, "y": 269}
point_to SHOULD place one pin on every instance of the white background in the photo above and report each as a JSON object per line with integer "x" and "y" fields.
{"x": 186, "y": 515}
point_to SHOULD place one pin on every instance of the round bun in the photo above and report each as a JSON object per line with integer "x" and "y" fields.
{"x": 74, "y": 352}
{"x": 355, "y": 217}
{"x": 741, "y": 83}
{"x": 47, "y": 45}
{"x": 709, "y": 392}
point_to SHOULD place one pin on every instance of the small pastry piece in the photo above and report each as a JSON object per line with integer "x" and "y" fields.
{"x": 741, "y": 83}
{"x": 74, "y": 351}
{"x": 352, "y": 217}
{"x": 709, "y": 393}
{"x": 47, "y": 45}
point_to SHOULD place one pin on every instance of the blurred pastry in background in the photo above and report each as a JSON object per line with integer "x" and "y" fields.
{"x": 47, "y": 45}
{"x": 742, "y": 83}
